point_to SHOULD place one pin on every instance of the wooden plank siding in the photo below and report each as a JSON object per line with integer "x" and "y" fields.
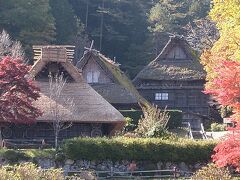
{"x": 184, "y": 98}
{"x": 92, "y": 67}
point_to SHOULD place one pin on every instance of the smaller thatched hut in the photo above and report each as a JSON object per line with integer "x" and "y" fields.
{"x": 92, "y": 114}
{"x": 102, "y": 74}
{"x": 175, "y": 79}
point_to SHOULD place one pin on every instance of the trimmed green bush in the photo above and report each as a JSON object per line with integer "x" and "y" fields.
{"x": 174, "y": 121}
{"x": 14, "y": 156}
{"x": 139, "y": 149}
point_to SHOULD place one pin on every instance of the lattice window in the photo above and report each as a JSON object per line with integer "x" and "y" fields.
{"x": 161, "y": 96}
{"x": 93, "y": 76}
{"x": 177, "y": 53}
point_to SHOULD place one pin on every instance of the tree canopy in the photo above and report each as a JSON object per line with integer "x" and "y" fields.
{"x": 226, "y": 14}
{"x": 17, "y": 93}
{"x": 124, "y": 29}
{"x": 223, "y": 75}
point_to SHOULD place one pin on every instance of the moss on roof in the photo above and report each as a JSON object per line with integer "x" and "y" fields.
{"x": 163, "y": 68}
{"x": 117, "y": 74}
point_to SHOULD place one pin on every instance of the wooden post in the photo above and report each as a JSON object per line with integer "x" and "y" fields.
{"x": 86, "y": 20}
{"x": 101, "y": 26}
{"x": 1, "y": 139}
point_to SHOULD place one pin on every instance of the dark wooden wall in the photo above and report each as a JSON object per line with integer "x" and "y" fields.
{"x": 45, "y": 131}
{"x": 185, "y": 96}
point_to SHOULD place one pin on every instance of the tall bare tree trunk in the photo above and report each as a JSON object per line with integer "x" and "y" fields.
{"x": 56, "y": 140}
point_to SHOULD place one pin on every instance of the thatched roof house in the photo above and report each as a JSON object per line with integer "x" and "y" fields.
{"x": 175, "y": 78}
{"x": 177, "y": 61}
{"x": 105, "y": 76}
{"x": 90, "y": 107}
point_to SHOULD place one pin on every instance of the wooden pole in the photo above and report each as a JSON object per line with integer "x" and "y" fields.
{"x": 87, "y": 9}
{"x": 101, "y": 27}
{"x": 1, "y": 139}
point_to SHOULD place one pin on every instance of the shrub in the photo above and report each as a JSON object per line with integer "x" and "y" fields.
{"x": 211, "y": 171}
{"x": 218, "y": 127}
{"x": 14, "y": 156}
{"x": 153, "y": 123}
{"x": 135, "y": 115}
{"x": 174, "y": 121}
{"x": 29, "y": 171}
{"x": 139, "y": 149}
{"x": 130, "y": 125}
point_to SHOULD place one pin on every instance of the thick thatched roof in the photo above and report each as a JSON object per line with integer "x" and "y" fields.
{"x": 165, "y": 68}
{"x": 89, "y": 105}
{"x": 116, "y": 92}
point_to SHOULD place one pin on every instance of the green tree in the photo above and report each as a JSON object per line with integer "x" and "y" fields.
{"x": 69, "y": 28}
{"x": 171, "y": 16}
{"x": 118, "y": 28}
{"x": 28, "y": 21}
{"x": 65, "y": 20}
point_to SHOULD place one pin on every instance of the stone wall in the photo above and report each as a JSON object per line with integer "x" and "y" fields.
{"x": 119, "y": 166}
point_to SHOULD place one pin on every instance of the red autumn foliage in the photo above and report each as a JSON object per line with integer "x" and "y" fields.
{"x": 225, "y": 88}
{"x": 227, "y": 152}
{"x": 17, "y": 93}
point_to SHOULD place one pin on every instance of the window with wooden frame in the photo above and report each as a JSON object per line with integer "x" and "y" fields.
{"x": 177, "y": 53}
{"x": 161, "y": 96}
{"x": 93, "y": 76}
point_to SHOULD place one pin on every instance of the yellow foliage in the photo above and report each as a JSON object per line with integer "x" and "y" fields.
{"x": 212, "y": 172}
{"x": 226, "y": 14}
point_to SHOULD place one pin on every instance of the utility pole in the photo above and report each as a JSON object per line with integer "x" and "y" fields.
{"x": 87, "y": 9}
{"x": 101, "y": 26}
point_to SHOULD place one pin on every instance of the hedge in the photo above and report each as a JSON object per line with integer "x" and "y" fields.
{"x": 174, "y": 121}
{"x": 139, "y": 149}
{"x": 14, "y": 156}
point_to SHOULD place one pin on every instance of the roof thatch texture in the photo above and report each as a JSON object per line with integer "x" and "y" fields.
{"x": 122, "y": 91}
{"x": 163, "y": 68}
{"x": 115, "y": 93}
{"x": 89, "y": 105}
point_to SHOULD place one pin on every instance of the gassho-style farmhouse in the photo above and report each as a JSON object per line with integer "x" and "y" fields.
{"x": 174, "y": 80}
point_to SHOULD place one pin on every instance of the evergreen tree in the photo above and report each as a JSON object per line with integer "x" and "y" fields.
{"x": 65, "y": 20}
{"x": 118, "y": 28}
{"x": 171, "y": 16}
{"x": 29, "y": 21}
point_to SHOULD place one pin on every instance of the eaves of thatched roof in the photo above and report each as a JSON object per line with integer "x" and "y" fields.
{"x": 122, "y": 90}
{"x": 163, "y": 68}
{"x": 89, "y": 105}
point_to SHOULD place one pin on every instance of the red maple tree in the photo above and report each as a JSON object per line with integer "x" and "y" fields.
{"x": 227, "y": 152}
{"x": 17, "y": 93}
{"x": 225, "y": 88}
